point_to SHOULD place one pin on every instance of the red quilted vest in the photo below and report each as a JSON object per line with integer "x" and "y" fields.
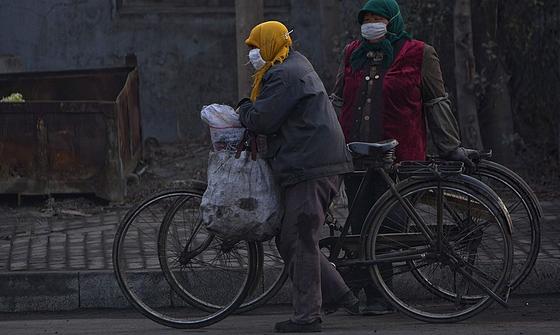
{"x": 402, "y": 116}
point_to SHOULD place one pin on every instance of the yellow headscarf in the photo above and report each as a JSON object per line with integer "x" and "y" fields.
{"x": 274, "y": 41}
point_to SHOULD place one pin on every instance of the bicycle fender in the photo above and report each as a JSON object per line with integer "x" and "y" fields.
{"x": 483, "y": 188}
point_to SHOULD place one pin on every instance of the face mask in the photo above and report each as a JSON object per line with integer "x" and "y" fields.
{"x": 256, "y": 59}
{"x": 374, "y": 31}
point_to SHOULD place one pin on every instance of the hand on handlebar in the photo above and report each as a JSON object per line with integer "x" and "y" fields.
{"x": 467, "y": 156}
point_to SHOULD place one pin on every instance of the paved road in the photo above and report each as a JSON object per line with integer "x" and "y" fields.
{"x": 526, "y": 315}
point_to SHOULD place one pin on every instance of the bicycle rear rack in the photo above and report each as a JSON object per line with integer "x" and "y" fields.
{"x": 430, "y": 168}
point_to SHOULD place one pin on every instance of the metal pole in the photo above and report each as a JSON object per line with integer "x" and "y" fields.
{"x": 248, "y": 13}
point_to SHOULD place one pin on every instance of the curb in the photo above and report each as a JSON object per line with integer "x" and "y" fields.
{"x": 72, "y": 290}
{"x": 51, "y": 291}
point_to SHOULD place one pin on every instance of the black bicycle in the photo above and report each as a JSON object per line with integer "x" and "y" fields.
{"x": 444, "y": 237}
{"x": 521, "y": 203}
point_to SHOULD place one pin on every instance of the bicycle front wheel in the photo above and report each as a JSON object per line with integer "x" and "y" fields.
{"x": 440, "y": 272}
{"x": 219, "y": 271}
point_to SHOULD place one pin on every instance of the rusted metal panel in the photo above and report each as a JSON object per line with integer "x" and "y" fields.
{"x": 77, "y": 132}
{"x": 129, "y": 121}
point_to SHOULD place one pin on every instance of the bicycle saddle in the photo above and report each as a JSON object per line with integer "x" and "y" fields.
{"x": 372, "y": 149}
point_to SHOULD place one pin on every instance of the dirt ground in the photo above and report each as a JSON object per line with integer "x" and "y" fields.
{"x": 174, "y": 165}
{"x": 163, "y": 166}
{"x": 169, "y": 165}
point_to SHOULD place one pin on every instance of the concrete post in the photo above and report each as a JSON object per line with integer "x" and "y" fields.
{"x": 248, "y": 13}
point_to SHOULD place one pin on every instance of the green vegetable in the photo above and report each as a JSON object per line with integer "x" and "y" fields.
{"x": 14, "y": 97}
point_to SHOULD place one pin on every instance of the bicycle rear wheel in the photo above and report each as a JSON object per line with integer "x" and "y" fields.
{"x": 181, "y": 239}
{"x": 525, "y": 211}
{"x": 457, "y": 276}
{"x": 214, "y": 272}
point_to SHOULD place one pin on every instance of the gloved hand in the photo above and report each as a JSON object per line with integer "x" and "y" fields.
{"x": 467, "y": 156}
{"x": 241, "y": 103}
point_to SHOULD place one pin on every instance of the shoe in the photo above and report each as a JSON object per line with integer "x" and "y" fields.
{"x": 377, "y": 309}
{"x": 348, "y": 302}
{"x": 292, "y": 327}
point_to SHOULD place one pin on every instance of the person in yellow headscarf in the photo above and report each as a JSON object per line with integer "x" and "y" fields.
{"x": 307, "y": 153}
{"x": 271, "y": 44}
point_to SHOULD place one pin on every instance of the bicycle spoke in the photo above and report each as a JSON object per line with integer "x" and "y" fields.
{"x": 406, "y": 268}
{"x": 514, "y": 207}
{"x": 470, "y": 232}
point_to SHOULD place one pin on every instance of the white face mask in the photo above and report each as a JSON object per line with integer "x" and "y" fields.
{"x": 374, "y": 31}
{"x": 256, "y": 59}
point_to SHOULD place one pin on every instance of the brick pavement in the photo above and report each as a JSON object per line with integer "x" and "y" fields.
{"x": 31, "y": 241}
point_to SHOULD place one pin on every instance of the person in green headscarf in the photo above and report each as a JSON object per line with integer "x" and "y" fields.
{"x": 382, "y": 25}
{"x": 390, "y": 86}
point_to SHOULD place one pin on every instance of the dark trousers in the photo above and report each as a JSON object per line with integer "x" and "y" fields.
{"x": 372, "y": 189}
{"x": 314, "y": 279}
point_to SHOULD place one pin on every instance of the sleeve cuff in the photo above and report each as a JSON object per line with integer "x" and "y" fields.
{"x": 242, "y": 102}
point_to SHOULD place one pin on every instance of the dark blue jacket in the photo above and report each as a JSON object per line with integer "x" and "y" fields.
{"x": 305, "y": 140}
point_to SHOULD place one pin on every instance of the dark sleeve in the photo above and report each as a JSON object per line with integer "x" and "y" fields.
{"x": 273, "y": 106}
{"x": 437, "y": 106}
{"x": 432, "y": 78}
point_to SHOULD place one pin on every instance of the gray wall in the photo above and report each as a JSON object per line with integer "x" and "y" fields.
{"x": 185, "y": 59}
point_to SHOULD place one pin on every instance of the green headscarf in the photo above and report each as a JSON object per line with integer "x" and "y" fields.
{"x": 390, "y": 10}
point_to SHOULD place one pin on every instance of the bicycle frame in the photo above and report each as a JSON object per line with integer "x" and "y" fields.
{"x": 409, "y": 211}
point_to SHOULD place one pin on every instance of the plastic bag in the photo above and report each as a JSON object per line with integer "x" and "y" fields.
{"x": 242, "y": 200}
{"x": 225, "y": 128}
{"x": 220, "y": 116}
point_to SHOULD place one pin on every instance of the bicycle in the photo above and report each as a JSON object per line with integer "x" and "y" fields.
{"x": 409, "y": 247}
{"x": 519, "y": 198}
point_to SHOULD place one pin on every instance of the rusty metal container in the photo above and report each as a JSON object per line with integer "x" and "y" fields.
{"x": 77, "y": 132}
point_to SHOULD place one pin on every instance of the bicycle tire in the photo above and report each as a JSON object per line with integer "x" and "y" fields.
{"x": 127, "y": 271}
{"x": 531, "y": 223}
{"x": 430, "y": 311}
